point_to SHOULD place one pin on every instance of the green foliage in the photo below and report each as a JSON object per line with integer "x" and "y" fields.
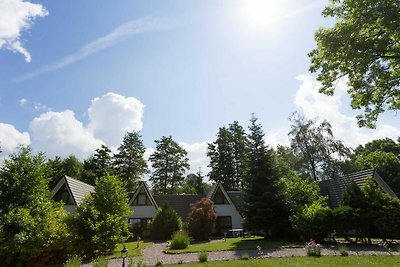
{"x": 363, "y": 46}
{"x": 201, "y": 219}
{"x": 100, "y": 262}
{"x": 129, "y": 162}
{"x": 193, "y": 184}
{"x": 245, "y": 256}
{"x": 298, "y": 192}
{"x": 228, "y": 156}
{"x": 344, "y": 251}
{"x": 98, "y": 165}
{"x": 169, "y": 162}
{"x": 165, "y": 222}
{"x": 74, "y": 261}
{"x": 313, "y": 222}
{"x": 203, "y": 256}
{"x": 58, "y": 168}
{"x": 100, "y": 220}
{"x": 180, "y": 240}
{"x": 263, "y": 206}
{"x": 320, "y": 154}
{"x": 31, "y": 225}
{"x": 159, "y": 263}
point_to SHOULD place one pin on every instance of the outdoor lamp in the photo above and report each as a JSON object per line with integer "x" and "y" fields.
{"x": 124, "y": 254}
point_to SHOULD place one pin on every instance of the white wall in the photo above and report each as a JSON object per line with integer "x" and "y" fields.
{"x": 143, "y": 211}
{"x": 230, "y": 210}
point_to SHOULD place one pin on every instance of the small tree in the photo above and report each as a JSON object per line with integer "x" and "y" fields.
{"x": 201, "y": 219}
{"x": 165, "y": 222}
{"x": 101, "y": 219}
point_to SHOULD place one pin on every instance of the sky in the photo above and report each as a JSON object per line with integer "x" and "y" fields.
{"x": 78, "y": 74}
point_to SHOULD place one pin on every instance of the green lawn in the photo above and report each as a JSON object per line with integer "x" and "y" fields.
{"x": 234, "y": 244}
{"x": 133, "y": 250}
{"x": 306, "y": 262}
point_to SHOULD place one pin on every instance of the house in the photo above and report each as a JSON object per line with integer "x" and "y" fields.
{"x": 334, "y": 188}
{"x": 144, "y": 204}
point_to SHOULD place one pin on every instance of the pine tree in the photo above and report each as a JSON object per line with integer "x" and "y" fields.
{"x": 263, "y": 207}
{"x": 239, "y": 145}
{"x": 129, "y": 162}
{"x": 169, "y": 162}
{"x": 98, "y": 165}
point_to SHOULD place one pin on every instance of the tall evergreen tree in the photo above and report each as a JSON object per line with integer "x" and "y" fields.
{"x": 129, "y": 162}
{"x": 263, "y": 206}
{"x": 239, "y": 142}
{"x": 169, "y": 162}
{"x": 98, "y": 165}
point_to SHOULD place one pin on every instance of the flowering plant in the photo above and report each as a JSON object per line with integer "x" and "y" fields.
{"x": 313, "y": 248}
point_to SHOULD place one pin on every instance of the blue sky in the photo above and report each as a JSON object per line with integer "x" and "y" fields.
{"x": 76, "y": 74}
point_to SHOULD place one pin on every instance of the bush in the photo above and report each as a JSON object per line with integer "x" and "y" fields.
{"x": 203, "y": 256}
{"x": 100, "y": 262}
{"x": 100, "y": 220}
{"x": 201, "y": 219}
{"x": 73, "y": 262}
{"x": 180, "y": 240}
{"x": 159, "y": 263}
{"x": 165, "y": 222}
{"x": 245, "y": 256}
{"x": 314, "y": 221}
{"x": 343, "y": 251}
{"x": 313, "y": 249}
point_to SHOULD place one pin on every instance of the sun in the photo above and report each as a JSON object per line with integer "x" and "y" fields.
{"x": 262, "y": 13}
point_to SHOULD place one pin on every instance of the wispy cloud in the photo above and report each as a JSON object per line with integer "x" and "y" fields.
{"x": 118, "y": 35}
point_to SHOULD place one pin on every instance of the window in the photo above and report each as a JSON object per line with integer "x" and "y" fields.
{"x": 64, "y": 196}
{"x": 224, "y": 223}
{"x": 142, "y": 199}
{"x": 140, "y": 226}
{"x": 219, "y": 197}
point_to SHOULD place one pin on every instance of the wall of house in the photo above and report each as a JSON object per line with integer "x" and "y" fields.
{"x": 230, "y": 210}
{"x": 143, "y": 211}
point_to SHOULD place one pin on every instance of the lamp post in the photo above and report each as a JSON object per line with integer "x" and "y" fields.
{"x": 124, "y": 254}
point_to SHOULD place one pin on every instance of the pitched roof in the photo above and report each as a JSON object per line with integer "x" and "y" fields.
{"x": 334, "y": 188}
{"x": 180, "y": 203}
{"x": 236, "y": 198}
{"x": 76, "y": 188}
{"x": 143, "y": 185}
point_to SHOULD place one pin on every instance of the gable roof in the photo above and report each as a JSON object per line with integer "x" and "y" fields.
{"x": 180, "y": 203}
{"x": 334, "y": 188}
{"x": 77, "y": 189}
{"x": 143, "y": 185}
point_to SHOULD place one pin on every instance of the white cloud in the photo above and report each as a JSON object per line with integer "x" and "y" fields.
{"x": 61, "y": 134}
{"x": 197, "y": 154}
{"x": 16, "y": 16}
{"x": 10, "y": 139}
{"x": 112, "y": 115}
{"x": 41, "y": 107}
{"x": 118, "y": 35}
{"x": 316, "y": 105}
{"x": 23, "y": 101}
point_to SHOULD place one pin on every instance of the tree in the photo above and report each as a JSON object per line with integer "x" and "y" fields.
{"x": 169, "y": 162}
{"x": 382, "y": 155}
{"x": 31, "y": 225}
{"x": 98, "y": 165}
{"x": 363, "y": 46}
{"x": 201, "y": 219}
{"x": 100, "y": 221}
{"x": 193, "y": 184}
{"x": 228, "y": 156}
{"x": 315, "y": 145}
{"x": 263, "y": 206}
{"x": 129, "y": 162}
{"x": 165, "y": 222}
{"x": 72, "y": 167}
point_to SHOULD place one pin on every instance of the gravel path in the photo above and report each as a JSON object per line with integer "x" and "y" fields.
{"x": 154, "y": 253}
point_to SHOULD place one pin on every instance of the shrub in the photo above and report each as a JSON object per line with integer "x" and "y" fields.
{"x": 313, "y": 249}
{"x": 100, "y": 262}
{"x": 159, "y": 263}
{"x": 138, "y": 263}
{"x": 165, "y": 222}
{"x": 73, "y": 262}
{"x": 245, "y": 256}
{"x": 203, "y": 256}
{"x": 343, "y": 251}
{"x": 201, "y": 219}
{"x": 100, "y": 220}
{"x": 314, "y": 221}
{"x": 180, "y": 240}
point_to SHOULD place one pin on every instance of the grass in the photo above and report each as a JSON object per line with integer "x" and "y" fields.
{"x": 306, "y": 262}
{"x": 234, "y": 244}
{"x": 132, "y": 249}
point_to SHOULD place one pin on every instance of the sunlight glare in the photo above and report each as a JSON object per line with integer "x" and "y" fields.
{"x": 261, "y": 13}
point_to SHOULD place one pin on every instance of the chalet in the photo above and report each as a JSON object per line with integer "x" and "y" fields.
{"x": 144, "y": 204}
{"x": 334, "y": 188}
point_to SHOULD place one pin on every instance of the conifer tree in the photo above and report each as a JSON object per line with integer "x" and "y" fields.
{"x": 263, "y": 207}
{"x": 98, "y": 165}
